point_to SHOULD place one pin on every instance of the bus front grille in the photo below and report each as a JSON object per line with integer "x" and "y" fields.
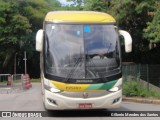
{"x": 84, "y": 94}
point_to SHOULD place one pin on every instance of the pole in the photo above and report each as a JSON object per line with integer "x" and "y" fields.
{"x": 15, "y": 64}
{"x": 147, "y": 77}
{"x": 25, "y": 62}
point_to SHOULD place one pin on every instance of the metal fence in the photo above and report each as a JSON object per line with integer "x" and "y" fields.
{"x": 130, "y": 71}
{"x": 5, "y": 80}
{"x": 17, "y": 77}
{"x": 4, "y": 77}
{"x": 10, "y": 83}
{"x": 17, "y": 81}
{"x": 14, "y": 82}
{"x": 148, "y": 73}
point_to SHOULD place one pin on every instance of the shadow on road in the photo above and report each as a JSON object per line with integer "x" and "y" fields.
{"x": 84, "y": 113}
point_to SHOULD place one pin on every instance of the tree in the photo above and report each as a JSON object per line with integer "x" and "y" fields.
{"x": 19, "y": 20}
{"x": 151, "y": 33}
{"x": 77, "y": 5}
{"x": 132, "y": 15}
{"x": 77, "y": 2}
{"x": 14, "y": 27}
{"x": 97, "y": 5}
{"x": 54, "y": 4}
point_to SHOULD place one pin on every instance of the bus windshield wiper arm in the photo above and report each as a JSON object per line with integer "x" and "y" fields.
{"x": 74, "y": 68}
{"x": 102, "y": 78}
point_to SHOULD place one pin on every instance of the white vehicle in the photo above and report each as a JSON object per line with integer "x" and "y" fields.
{"x": 81, "y": 60}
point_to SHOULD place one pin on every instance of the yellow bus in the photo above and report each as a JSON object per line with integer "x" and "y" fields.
{"x": 80, "y": 60}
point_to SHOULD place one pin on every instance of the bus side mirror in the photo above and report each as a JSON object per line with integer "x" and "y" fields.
{"x": 127, "y": 40}
{"x": 39, "y": 40}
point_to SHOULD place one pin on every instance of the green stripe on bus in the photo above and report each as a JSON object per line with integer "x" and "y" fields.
{"x": 102, "y": 86}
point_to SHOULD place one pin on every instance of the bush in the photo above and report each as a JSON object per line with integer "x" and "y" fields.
{"x": 133, "y": 88}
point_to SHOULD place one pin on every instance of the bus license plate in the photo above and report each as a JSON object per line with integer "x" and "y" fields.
{"x": 85, "y": 105}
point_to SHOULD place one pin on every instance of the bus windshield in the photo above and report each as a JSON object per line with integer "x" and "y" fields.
{"x": 80, "y": 51}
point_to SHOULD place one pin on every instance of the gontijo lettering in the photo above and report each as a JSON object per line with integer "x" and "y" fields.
{"x": 72, "y": 88}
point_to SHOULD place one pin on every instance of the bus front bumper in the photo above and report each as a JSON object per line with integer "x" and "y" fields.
{"x": 55, "y": 101}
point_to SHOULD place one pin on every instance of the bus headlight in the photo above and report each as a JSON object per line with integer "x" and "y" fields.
{"x": 52, "y": 89}
{"x": 115, "y": 89}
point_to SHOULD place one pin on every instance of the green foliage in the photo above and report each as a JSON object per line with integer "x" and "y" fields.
{"x": 153, "y": 27}
{"x": 77, "y": 2}
{"x": 133, "y": 88}
{"x": 54, "y": 4}
{"x": 97, "y": 5}
{"x": 77, "y": 5}
{"x": 19, "y": 22}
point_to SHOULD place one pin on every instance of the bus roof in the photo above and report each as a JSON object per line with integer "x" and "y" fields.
{"x": 79, "y": 17}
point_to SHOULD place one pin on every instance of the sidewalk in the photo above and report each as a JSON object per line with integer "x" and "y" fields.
{"x": 141, "y": 100}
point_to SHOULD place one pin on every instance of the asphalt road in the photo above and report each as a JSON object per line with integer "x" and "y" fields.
{"x": 31, "y": 100}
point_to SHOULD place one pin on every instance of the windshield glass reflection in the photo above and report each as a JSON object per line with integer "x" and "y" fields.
{"x": 81, "y": 51}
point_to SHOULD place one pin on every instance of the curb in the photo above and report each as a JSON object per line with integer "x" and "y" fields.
{"x": 141, "y": 100}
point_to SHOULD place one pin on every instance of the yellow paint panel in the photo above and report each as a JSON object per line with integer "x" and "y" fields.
{"x": 79, "y": 16}
{"x": 70, "y": 87}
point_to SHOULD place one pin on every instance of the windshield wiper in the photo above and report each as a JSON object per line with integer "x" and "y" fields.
{"x": 74, "y": 68}
{"x": 102, "y": 78}
{"x": 108, "y": 54}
